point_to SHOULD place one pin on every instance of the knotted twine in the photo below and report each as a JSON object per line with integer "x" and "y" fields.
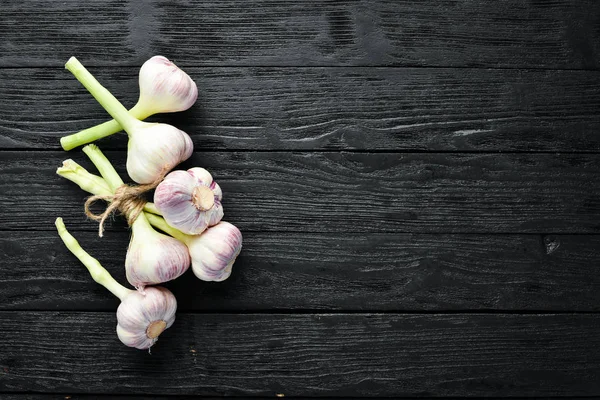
{"x": 127, "y": 199}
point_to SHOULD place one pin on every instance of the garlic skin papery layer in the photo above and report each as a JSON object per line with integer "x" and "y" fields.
{"x": 190, "y": 201}
{"x": 141, "y": 317}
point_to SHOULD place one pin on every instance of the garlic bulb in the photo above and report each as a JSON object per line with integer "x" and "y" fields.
{"x": 153, "y": 257}
{"x": 189, "y": 200}
{"x": 213, "y": 252}
{"x": 153, "y": 149}
{"x": 141, "y": 317}
{"x": 163, "y": 88}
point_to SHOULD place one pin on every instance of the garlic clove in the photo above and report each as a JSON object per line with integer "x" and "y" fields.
{"x": 189, "y": 200}
{"x": 155, "y": 149}
{"x": 154, "y": 258}
{"x": 214, "y": 251}
{"x": 142, "y": 317}
{"x": 164, "y": 87}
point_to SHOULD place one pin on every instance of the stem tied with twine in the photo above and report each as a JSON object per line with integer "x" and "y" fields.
{"x": 127, "y": 199}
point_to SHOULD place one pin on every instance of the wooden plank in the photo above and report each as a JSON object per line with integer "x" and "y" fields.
{"x": 78, "y": 396}
{"x": 508, "y": 34}
{"x": 347, "y": 192}
{"x": 349, "y": 272}
{"x": 307, "y": 355}
{"x": 328, "y": 108}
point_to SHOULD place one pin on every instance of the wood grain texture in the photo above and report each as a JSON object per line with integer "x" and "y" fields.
{"x": 347, "y": 272}
{"x": 307, "y": 355}
{"x": 347, "y": 192}
{"x": 515, "y": 33}
{"x": 425, "y": 109}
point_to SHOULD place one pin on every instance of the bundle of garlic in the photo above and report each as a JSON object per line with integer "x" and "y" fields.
{"x": 187, "y": 204}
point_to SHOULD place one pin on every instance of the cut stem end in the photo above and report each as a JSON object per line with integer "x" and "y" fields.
{"x": 203, "y": 198}
{"x": 155, "y": 329}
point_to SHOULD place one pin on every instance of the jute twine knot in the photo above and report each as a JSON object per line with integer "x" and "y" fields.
{"x": 127, "y": 199}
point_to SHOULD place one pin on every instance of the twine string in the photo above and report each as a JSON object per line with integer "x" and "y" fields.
{"x": 127, "y": 199}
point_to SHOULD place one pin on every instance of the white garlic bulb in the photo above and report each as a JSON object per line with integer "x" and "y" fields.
{"x": 214, "y": 251}
{"x": 190, "y": 201}
{"x": 152, "y": 257}
{"x": 164, "y": 87}
{"x": 154, "y": 149}
{"x": 142, "y": 317}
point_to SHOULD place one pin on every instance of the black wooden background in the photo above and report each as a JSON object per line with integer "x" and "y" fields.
{"x": 416, "y": 182}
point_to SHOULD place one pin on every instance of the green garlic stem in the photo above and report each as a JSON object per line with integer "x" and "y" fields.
{"x": 104, "y": 97}
{"x": 89, "y": 182}
{"x": 141, "y": 222}
{"x": 100, "y": 131}
{"x": 98, "y": 272}
{"x": 151, "y": 208}
{"x": 104, "y": 166}
{"x": 160, "y": 223}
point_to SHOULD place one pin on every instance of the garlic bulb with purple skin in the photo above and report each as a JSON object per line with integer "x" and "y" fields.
{"x": 152, "y": 257}
{"x": 213, "y": 252}
{"x": 189, "y": 201}
{"x": 164, "y": 88}
{"x": 141, "y": 317}
{"x": 153, "y": 148}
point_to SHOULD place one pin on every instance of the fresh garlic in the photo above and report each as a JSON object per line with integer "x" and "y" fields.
{"x": 189, "y": 200}
{"x": 151, "y": 257}
{"x": 141, "y": 317}
{"x": 153, "y": 148}
{"x": 213, "y": 252}
{"x": 164, "y": 88}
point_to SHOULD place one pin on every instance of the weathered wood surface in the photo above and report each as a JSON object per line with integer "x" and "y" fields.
{"x": 308, "y": 272}
{"x": 458, "y": 33}
{"x": 307, "y": 355}
{"x": 425, "y": 109}
{"x": 347, "y": 192}
{"x": 470, "y": 183}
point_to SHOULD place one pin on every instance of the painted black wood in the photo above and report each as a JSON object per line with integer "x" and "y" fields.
{"x": 348, "y": 192}
{"x": 507, "y": 34}
{"x": 410, "y": 220}
{"x": 425, "y": 109}
{"x": 307, "y": 355}
{"x": 349, "y": 272}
